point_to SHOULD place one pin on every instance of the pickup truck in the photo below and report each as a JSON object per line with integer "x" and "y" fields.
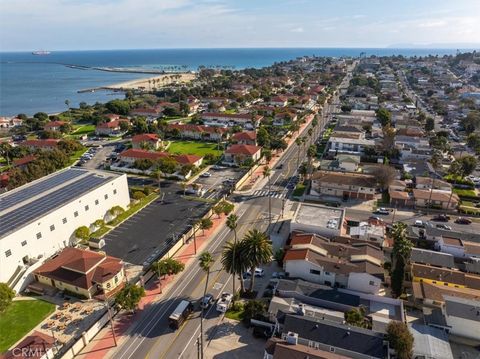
{"x": 224, "y": 302}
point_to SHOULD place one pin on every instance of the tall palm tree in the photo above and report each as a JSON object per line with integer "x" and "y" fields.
{"x": 311, "y": 154}
{"x": 256, "y": 250}
{"x": 232, "y": 262}
{"x": 298, "y": 142}
{"x": 266, "y": 174}
{"x": 205, "y": 262}
{"x": 232, "y": 223}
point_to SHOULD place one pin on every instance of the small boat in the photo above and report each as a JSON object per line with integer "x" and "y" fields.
{"x": 41, "y": 53}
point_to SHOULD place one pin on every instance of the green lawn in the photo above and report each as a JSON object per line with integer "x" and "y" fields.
{"x": 299, "y": 190}
{"x": 76, "y": 156}
{"x": 193, "y": 148}
{"x": 235, "y": 315}
{"x": 20, "y": 318}
{"x": 84, "y": 130}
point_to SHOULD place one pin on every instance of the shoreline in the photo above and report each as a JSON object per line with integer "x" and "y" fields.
{"x": 147, "y": 83}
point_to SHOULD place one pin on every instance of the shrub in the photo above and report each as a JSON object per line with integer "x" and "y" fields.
{"x": 82, "y": 233}
{"x": 137, "y": 195}
{"x": 6, "y": 296}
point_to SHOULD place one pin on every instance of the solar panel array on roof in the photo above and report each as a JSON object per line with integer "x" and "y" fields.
{"x": 32, "y": 210}
{"x": 16, "y": 197}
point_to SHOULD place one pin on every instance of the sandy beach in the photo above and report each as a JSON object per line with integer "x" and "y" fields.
{"x": 153, "y": 82}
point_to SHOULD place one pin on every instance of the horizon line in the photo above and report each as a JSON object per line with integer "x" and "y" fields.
{"x": 389, "y": 47}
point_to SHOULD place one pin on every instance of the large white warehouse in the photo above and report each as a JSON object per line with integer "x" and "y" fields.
{"x": 40, "y": 218}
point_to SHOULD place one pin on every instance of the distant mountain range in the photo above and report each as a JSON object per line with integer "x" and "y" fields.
{"x": 465, "y": 45}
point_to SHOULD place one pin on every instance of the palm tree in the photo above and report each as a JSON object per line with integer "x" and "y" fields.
{"x": 298, "y": 142}
{"x": 256, "y": 249}
{"x": 233, "y": 263}
{"x": 232, "y": 222}
{"x": 311, "y": 154}
{"x": 267, "y": 173}
{"x": 205, "y": 262}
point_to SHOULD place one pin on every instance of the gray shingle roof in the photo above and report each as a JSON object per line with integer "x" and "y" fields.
{"x": 462, "y": 308}
{"x": 433, "y": 258}
{"x": 357, "y": 340}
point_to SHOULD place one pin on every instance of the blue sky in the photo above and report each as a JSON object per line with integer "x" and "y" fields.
{"x": 127, "y": 24}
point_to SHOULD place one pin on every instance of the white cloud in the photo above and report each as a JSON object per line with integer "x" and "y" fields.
{"x": 297, "y": 29}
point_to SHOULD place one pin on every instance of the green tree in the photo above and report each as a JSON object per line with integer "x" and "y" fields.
{"x": 400, "y": 339}
{"x": 256, "y": 249}
{"x": 263, "y": 137}
{"x": 6, "y": 296}
{"x": 384, "y": 116}
{"x": 402, "y": 248}
{"x": 129, "y": 297}
{"x": 356, "y": 317}
{"x": 205, "y": 223}
{"x": 429, "y": 124}
{"x": 253, "y": 309}
{"x": 232, "y": 223}
{"x": 120, "y": 107}
{"x": 311, "y": 154}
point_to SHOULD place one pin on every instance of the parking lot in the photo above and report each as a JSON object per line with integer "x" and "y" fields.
{"x": 216, "y": 183}
{"x": 150, "y": 232}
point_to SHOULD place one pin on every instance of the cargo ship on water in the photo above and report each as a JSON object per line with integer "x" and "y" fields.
{"x": 41, "y": 53}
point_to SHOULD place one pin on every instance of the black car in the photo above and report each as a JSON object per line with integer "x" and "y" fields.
{"x": 463, "y": 220}
{"x": 441, "y": 218}
{"x": 260, "y": 332}
{"x": 280, "y": 166}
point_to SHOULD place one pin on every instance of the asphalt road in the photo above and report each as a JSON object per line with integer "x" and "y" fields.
{"x": 151, "y": 337}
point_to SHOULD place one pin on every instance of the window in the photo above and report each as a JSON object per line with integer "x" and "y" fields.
{"x": 87, "y": 208}
{"x": 96, "y": 202}
{"x": 327, "y": 273}
{"x": 8, "y": 253}
{"x": 313, "y": 271}
{"x": 64, "y": 220}
{"x": 52, "y": 228}
{"x": 75, "y": 214}
{"x": 114, "y": 191}
{"x": 106, "y": 196}
{"x": 24, "y": 243}
{"x": 108, "y": 285}
{"x": 434, "y": 282}
{"x": 39, "y": 235}
{"x": 445, "y": 284}
{"x": 116, "y": 279}
{"x": 371, "y": 282}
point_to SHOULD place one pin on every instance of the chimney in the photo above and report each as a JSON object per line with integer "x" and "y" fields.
{"x": 301, "y": 309}
{"x": 292, "y": 338}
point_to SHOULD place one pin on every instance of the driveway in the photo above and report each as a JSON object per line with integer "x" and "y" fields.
{"x": 214, "y": 184}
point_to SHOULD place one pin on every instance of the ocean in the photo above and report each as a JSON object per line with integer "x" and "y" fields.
{"x": 29, "y": 84}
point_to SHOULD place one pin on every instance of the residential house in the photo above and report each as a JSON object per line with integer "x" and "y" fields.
{"x": 284, "y": 349}
{"x": 148, "y": 112}
{"x": 348, "y": 144}
{"x": 245, "y": 138}
{"x": 433, "y": 295}
{"x": 279, "y": 101}
{"x": 344, "y": 185}
{"x": 198, "y": 132}
{"x": 146, "y": 141}
{"x": 54, "y": 125}
{"x": 353, "y": 342}
{"x": 237, "y": 154}
{"x": 24, "y": 161}
{"x": 111, "y": 128}
{"x": 430, "y": 342}
{"x": 246, "y": 121}
{"x": 435, "y": 198}
{"x": 444, "y": 276}
{"x": 462, "y": 317}
{"x": 457, "y": 247}
{"x": 432, "y": 183}
{"x": 320, "y": 260}
{"x": 83, "y": 272}
{"x": 318, "y": 219}
{"x": 47, "y": 144}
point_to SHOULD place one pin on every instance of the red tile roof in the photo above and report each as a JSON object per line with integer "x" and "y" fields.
{"x": 243, "y": 149}
{"x": 187, "y": 159}
{"x": 245, "y": 136}
{"x": 33, "y": 346}
{"x": 143, "y": 154}
{"x": 80, "y": 268}
{"x": 51, "y": 142}
{"x": 228, "y": 115}
{"x": 197, "y": 128}
{"x": 294, "y": 255}
{"x": 111, "y": 124}
{"x": 52, "y": 124}
{"x": 24, "y": 160}
{"x": 145, "y": 137}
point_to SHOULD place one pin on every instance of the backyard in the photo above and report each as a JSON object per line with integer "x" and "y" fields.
{"x": 193, "y": 148}
{"x": 20, "y": 318}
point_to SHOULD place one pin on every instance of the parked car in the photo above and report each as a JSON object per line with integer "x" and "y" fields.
{"x": 224, "y": 302}
{"x": 444, "y": 226}
{"x": 206, "y": 174}
{"x": 441, "y": 218}
{"x": 217, "y": 167}
{"x": 419, "y": 223}
{"x": 463, "y": 220}
{"x": 206, "y": 301}
{"x": 280, "y": 166}
{"x": 258, "y": 272}
{"x": 279, "y": 275}
{"x": 382, "y": 211}
{"x": 375, "y": 218}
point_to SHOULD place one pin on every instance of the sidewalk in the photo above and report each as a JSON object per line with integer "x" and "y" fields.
{"x": 102, "y": 346}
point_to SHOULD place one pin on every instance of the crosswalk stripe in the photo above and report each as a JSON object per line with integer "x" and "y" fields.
{"x": 266, "y": 193}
